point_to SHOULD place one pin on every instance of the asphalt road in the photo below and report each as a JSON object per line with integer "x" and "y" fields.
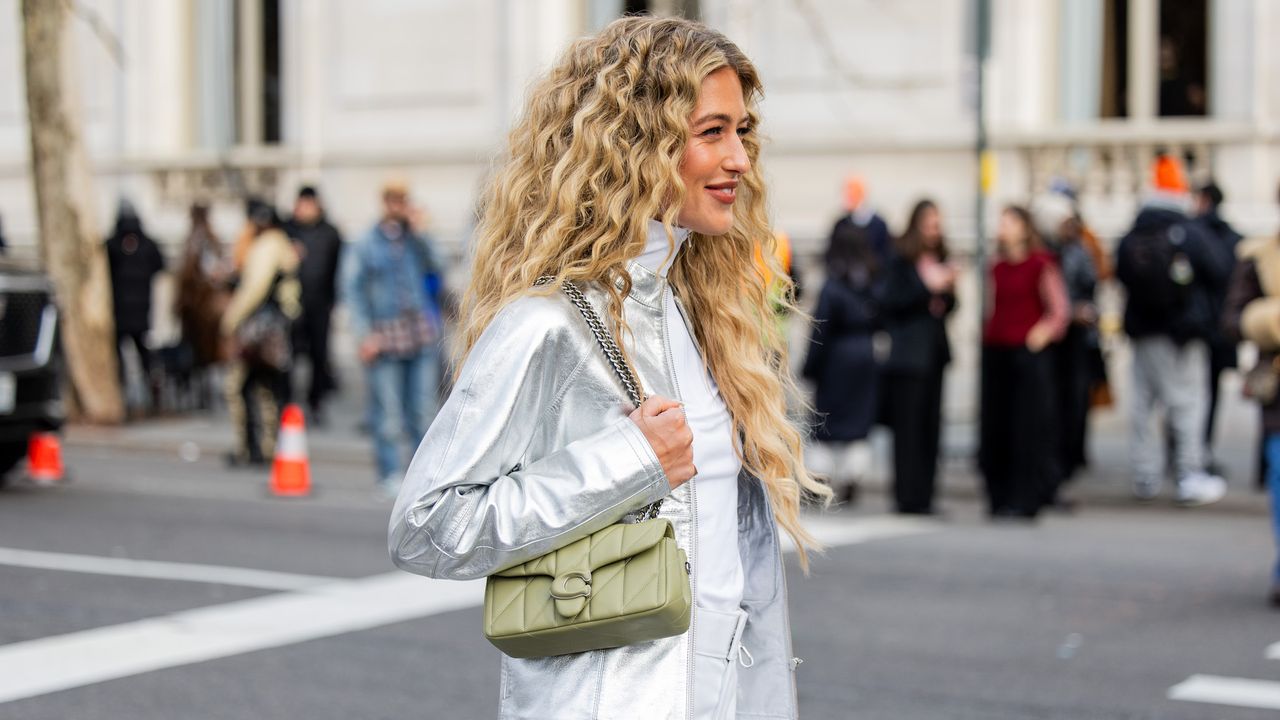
{"x": 1096, "y": 616}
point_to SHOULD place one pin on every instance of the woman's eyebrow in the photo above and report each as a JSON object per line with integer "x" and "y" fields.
{"x": 722, "y": 117}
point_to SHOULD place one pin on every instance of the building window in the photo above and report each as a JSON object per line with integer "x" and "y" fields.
{"x": 1115, "y": 59}
{"x": 257, "y": 76}
{"x": 1183, "y": 59}
{"x": 271, "y": 90}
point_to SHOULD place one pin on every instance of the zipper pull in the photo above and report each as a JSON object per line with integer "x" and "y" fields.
{"x": 688, "y": 569}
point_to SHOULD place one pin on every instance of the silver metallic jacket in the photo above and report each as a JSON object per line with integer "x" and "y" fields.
{"x": 533, "y": 450}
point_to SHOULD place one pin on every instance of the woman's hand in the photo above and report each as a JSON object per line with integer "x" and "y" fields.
{"x": 663, "y": 423}
{"x": 1039, "y": 337}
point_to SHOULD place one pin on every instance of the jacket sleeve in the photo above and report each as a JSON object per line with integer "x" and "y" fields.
{"x": 1057, "y": 304}
{"x": 353, "y": 277}
{"x": 467, "y": 509}
{"x": 1244, "y": 288}
{"x": 815, "y": 360}
{"x": 905, "y": 293}
{"x": 260, "y": 268}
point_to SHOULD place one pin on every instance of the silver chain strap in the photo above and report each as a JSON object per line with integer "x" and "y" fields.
{"x": 612, "y": 353}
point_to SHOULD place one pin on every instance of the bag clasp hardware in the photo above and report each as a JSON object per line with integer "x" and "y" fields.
{"x": 570, "y": 601}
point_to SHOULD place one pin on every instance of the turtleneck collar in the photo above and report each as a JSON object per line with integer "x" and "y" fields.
{"x": 658, "y": 255}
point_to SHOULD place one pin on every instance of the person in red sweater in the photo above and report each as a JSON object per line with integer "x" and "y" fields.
{"x": 1027, "y": 310}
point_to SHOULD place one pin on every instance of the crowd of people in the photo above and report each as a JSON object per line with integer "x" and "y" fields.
{"x": 258, "y": 307}
{"x": 879, "y": 346}
{"x": 878, "y": 351}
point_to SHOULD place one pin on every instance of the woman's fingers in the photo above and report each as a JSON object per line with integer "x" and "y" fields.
{"x": 664, "y": 425}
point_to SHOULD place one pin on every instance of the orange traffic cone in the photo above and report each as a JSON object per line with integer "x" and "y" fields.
{"x": 291, "y": 472}
{"x": 44, "y": 458}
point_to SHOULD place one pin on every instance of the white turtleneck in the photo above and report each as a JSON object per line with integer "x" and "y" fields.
{"x": 720, "y": 578}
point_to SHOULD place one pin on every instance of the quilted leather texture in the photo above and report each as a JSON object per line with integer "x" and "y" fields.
{"x": 638, "y": 590}
{"x": 600, "y": 548}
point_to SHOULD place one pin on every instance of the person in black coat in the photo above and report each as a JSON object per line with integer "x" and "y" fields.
{"x": 320, "y": 246}
{"x": 919, "y": 295}
{"x": 841, "y": 360}
{"x": 1223, "y": 240}
{"x": 134, "y": 260}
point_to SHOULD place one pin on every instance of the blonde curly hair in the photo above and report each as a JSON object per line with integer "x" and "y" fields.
{"x": 594, "y": 157}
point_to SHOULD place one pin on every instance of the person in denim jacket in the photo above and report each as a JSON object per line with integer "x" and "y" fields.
{"x": 397, "y": 329}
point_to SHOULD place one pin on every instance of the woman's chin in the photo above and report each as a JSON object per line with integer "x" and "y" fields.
{"x": 709, "y": 227}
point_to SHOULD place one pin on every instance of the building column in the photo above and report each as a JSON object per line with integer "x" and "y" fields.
{"x": 249, "y": 63}
{"x": 1080, "y": 61}
{"x": 1144, "y": 59}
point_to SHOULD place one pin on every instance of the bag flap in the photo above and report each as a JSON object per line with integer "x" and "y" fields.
{"x": 601, "y": 548}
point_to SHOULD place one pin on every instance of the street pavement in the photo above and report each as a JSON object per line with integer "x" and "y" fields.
{"x": 124, "y": 594}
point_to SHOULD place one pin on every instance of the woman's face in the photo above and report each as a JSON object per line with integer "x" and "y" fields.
{"x": 714, "y": 157}
{"x": 931, "y": 227}
{"x": 1011, "y": 234}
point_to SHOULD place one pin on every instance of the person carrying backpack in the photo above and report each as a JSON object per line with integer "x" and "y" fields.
{"x": 1171, "y": 275}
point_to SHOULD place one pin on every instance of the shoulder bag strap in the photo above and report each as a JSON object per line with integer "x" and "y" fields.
{"x": 612, "y": 353}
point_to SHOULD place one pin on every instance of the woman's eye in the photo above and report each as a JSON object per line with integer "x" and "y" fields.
{"x": 744, "y": 131}
{"x": 712, "y": 132}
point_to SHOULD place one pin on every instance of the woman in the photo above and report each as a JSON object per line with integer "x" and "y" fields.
{"x": 257, "y": 324}
{"x": 201, "y": 289}
{"x": 841, "y": 360}
{"x": 919, "y": 295}
{"x": 632, "y": 173}
{"x": 1027, "y": 311}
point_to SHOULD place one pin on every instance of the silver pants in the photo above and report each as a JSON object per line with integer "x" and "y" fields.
{"x": 1174, "y": 378}
{"x": 717, "y": 653}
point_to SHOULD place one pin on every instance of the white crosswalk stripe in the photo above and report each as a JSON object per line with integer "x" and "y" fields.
{"x": 1238, "y": 692}
{"x": 310, "y": 611}
{"x": 186, "y": 572}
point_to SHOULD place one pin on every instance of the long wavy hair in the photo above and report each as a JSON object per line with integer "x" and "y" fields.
{"x": 595, "y": 156}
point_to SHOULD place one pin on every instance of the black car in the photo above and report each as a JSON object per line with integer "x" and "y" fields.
{"x": 30, "y": 361}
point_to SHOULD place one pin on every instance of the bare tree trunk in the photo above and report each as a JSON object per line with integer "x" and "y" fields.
{"x": 70, "y": 244}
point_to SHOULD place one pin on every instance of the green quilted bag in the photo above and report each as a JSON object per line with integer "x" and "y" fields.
{"x": 624, "y": 584}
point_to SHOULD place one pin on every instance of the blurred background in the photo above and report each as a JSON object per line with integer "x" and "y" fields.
{"x": 147, "y": 148}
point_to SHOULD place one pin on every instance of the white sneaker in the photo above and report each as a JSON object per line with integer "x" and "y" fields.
{"x": 1201, "y": 489}
{"x": 1146, "y": 490}
{"x": 388, "y": 488}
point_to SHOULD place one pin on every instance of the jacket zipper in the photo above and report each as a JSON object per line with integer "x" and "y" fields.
{"x": 693, "y": 513}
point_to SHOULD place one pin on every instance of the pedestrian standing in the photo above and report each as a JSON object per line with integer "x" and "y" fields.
{"x": 258, "y": 326}
{"x": 320, "y": 246}
{"x": 134, "y": 260}
{"x": 203, "y": 295}
{"x": 383, "y": 280}
{"x": 919, "y": 295}
{"x": 859, "y": 214}
{"x": 1223, "y": 240}
{"x": 1028, "y": 311}
{"x": 1171, "y": 275}
{"x": 1252, "y": 313}
{"x": 1076, "y": 357}
{"x": 632, "y": 173}
{"x": 841, "y": 360}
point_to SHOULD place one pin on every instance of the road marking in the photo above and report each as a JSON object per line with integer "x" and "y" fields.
{"x": 1238, "y": 692}
{"x": 46, "y": 665}
{"x": 834, "y": 531}
{"x": 188, "y": 572}
{"x": 62, "y": 662}
{"x": 1273, "y": 652}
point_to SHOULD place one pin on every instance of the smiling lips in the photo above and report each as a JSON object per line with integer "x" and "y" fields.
{"x": 724, "y": 192}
